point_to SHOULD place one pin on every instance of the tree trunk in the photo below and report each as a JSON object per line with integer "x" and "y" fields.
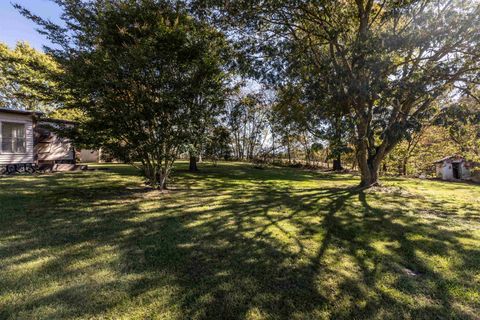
{"x": 273, "y": 147}
{"x": 337, "y": 163}
{"x": 404, "y": 167}
{"x": 369, "y": 175}
{"x": 193, "y": 163}
{"x": 368, "y": 163}
{"x": 156, "y": 177}
{"x": 325, "y": 160}
{"x": 368, "y": 166}
{"x": 289, "y": 153}
{"x": 162, "y": 185}
{"x": 370, "y": 156}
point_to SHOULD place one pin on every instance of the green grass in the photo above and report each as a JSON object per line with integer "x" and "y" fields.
{"x": 234, "y": 242}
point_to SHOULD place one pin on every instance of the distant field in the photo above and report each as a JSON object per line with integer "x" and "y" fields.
{"x": 234, "y": 242}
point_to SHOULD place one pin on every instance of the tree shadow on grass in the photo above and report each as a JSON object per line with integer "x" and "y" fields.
{"x": 227, "y": 252}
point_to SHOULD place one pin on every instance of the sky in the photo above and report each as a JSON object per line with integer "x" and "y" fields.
{"x": 14, "y": 27}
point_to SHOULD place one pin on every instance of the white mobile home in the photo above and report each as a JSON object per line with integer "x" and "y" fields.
{"x": 29, "y": 142}
{"x": 50, "y": 148}
{"x": 17, "y": 139}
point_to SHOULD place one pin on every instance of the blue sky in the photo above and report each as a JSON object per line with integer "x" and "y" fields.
{"x": 14, "y": 27}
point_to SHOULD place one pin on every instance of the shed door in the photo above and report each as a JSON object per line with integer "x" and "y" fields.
{"x": 456, "y": 170}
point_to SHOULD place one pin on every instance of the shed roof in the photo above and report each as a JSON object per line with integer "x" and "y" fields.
{"x": 454, "y": 157}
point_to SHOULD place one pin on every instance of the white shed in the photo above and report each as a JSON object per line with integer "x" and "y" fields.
{"x": 453, "y": 168}
{"x": 17, "y": 138}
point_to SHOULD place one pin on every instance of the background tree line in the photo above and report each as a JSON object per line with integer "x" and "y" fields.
{"x": 365, "y": 85}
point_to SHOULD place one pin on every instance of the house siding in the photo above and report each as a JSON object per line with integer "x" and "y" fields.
{"x": 87, "y": 155}
{"x": 28, "y": 156}
{"x": 50, "y": 147}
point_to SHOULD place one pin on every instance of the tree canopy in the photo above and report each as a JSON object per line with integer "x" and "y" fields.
{"x": 25, "y": 78}
{"x": 383, "y": 63}
{"x": 366, "y": 76}
{"x": 462, "y": 120}
{"x": 143, "y": 73}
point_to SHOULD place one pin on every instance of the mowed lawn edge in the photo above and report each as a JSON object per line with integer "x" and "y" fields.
{"x": 235, "y": 242}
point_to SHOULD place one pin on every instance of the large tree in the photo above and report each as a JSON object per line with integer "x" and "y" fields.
{"x": 385, "y": 62}
{"x": 142, "y": 73}
{"x": 25, "y": 78}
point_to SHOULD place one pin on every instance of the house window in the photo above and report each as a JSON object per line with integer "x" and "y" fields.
{"x": 13, "y": 137}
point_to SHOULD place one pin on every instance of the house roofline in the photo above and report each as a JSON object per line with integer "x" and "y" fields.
{"x": 37, "y": 114}
{"x": 23, "y": 112}
{"x": 57, "y": 121}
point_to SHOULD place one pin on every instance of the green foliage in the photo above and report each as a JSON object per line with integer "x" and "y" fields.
{"x": 299, "y": 115}
{"x": 218, "y": 145}
{"x": 26, "y": 78}
{"x": 462, "y": 119}
{"x": 146, "y": 75}
{"x": 247, "y": 119}
{"x": 292, "y": 124}
{"x": 382, "y": 64}
{"x": 417, "y": 154}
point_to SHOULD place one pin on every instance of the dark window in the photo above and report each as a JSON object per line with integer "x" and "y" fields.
{"x": 13, "y": 137}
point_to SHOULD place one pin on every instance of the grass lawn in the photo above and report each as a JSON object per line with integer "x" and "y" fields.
{"x": 234, "y": 242}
